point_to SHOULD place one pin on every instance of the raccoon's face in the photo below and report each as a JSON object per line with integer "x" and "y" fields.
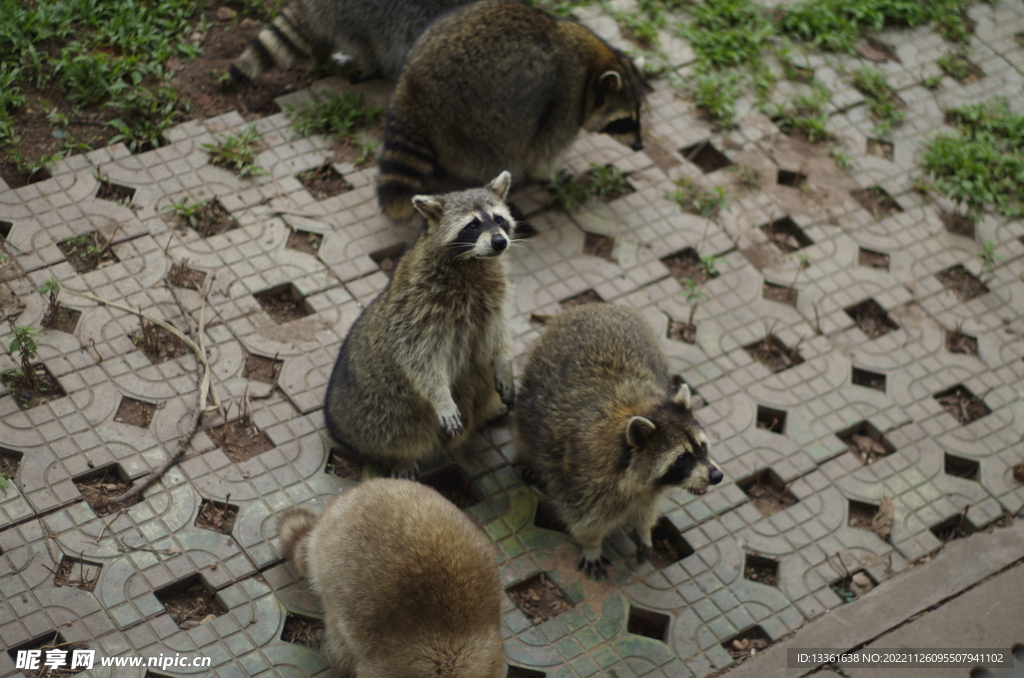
{"x": 476, "y": 223}
{"x": 618, "y": 97}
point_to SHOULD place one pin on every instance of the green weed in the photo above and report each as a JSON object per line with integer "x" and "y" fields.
{"x": 715, "y": 94}
{"x": 988, "y": 255}
{"x": 25, "y": 344}
{"x": 143, "y": 117}
{"x": 335, "y": 116}
{"x": 185, "y": 213}
{"x": 696, "y": 200}
{"x": 51, "y": 287}
{"x": 882, "y": 100}
{"x": 841, "y": 157}
{"x": 603, "y": 181}
{"x": 693, "y": 296}
{"x": 805, "y": 114}
{"x": 237, "y": 152}
{"x": 728, "y": 33}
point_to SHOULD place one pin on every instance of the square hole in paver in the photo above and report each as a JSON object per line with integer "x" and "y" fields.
{"x": 10, "y": 460}
{"x": 262, "y": 369}
{"x": 305, "y": 241}
{"x": 862, "y": 515}
{"x": 240, "y": 440}
{"x": 868, "y": 378}
{"x": 960, "y": 68}
{"x": 387, "y": 258}
{"x": 958, "y": 342}
{"x": 767, "y": 492}
{"x": 962, "y": 468}
{"x": 957, "y": 223}
{"x": 598, "y": 245}
{"x": 794, "y": 179}
{"x": 5, "y": 230}
{"x": 539, "y": 598}
{"x": 87, "y": 252}
{"x": 771, "y": 419}
{"x": 134, "y": 412}
{"x": 283, "y": 303}
{"x": 108, "y": 190}
{"x": 184, "y": 276}
{"x": 343, "y": 464}
{"x": 745, "y": 643}
{"x": 157, "y": 343}
{"x": 648, "y": 623}
{"x": 324, "y": 181}
{"x": 761, "y": 569}
{"x": 871, "y": 318}
{"x": 301, "y": 630}
{"x": 520, "y": 672}
{"x": 852, "y": 585}
{"x": 774, "y": 354}
{"x": 51, "y": 640}
{"x": 453, "y": 484}
{"x": 786, "y": 234}
{"x": 780, "y": 293}
{"x": 873, "y": 259}
{"x": 547, "y": 518}
{"x": 880, "y": 148}
{"x": 65, "y": 319}
{"x": 217, "y": 516}
{"x": 961, "y": 282}
{"x": 77, "y": 573}
{"x": 954, "y": 527}
{"x": 206, "y": 217}
{"x": 877, "y": 200}
{"x": 705, "y": 156}
{"x": 101, "y": 486}
{"x": 680, "y": 331}
{"x": 866, "y": 442}
{"x": 190, "y": 602}
{"x": 962, "y": 404}
{"x": 669, "y": 545}
{"x": 584, "y": 297}
{"x": 42, "y": 388}
{"x": 687, "y": 265}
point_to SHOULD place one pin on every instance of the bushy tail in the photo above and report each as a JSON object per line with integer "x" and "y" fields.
{"x": 293, "y": 527}
{"x": 404, "y": 164}
{"x": 279, "y": 44}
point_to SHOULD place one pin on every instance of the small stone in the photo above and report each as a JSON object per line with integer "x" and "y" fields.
{"x": 225, "y": 14}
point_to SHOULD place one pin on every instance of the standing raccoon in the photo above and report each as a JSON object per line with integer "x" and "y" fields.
{"x": 431, "y": 358}
{"x": 377, "y": 33}
{"x": 409, "y": 586}
{"x": 604, "y": 430}
{"x": 499, "y": 85}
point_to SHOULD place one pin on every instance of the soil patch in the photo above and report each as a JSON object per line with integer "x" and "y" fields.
{"x": 207, "y": 220}
{"x": 64, "y": 320}
{"x": 264, "y": 370}
{"x": 962, "y": 468}
{"x": 870, "y": 379}
{"x": 9, "y": 462}
{"x": 786, "y": 234}
{"x": 648, "y": 623}
{"x": 961, "y": 69}
{"x": 880, "y": 149}
{"x": 679, "y": 331}
{"x": 28, "y": 392}
{"x": 962, "y": 404}
{"x": 760, "y": 569}
{"x": 305, "y": 241}
{"x": 239, "y": 440}
{"x": 77, "y": 573}
{"x": 958, "y": 342}
{"x": 217, "y": 516}
{"x": 585, "y": 297}
{"x": 704, "y": 155}
{"x": 956, "y": 527}
{"x": 182, "y": 275}
{"x": 744, "y": 645}
{"x": 135, "y": 412}
{"x": 787, "y": 178}
{"x": 866, "y": 442}
{"x": 962, "y": 283}
{"x": 687, "y": 264}
{"x": 99, "y": 488}
{"x": 324, "y": 181}
{"x": 158, "y": 344}
{"x": 669, "y": 545}
{"x": 767, "y": 492}
{"x": 862, "y": 515}
{"x": 1018, "y": 472}
{"x": 773, "y": 354}
{"x": 957, "y": 223}
{"x": 190, "y": 604}
{"x": 598, "y": 245}
{"x": 877, "y": 201}
{"x": 301, "y": 631}
{"x": 539, "y": 598}
{"x": 852, "y": 585}
{"x": 780, "y": 293}
{"x": 115, "y": 192}
{"x": 771, "y": 419}
{"x": 283, "y": 303}
{"x": 873, "y": 259}
{"x": 344, "y": 465}
{"x": 87, "y": 252}
{"x": 871, "y": 318}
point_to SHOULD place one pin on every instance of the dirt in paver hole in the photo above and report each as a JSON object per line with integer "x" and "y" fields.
{"x": 304, "y": 241}
{"x": 767, "y": 492}
{"x": 586, "y": 297}
{"x": 852, "y": 585}
{"x": 183, "y": 275}
{"x": 217, "y": 516}
{"x": 744, "y": 645}
{"x": 669, "y": 545}
{"x": 956, "y": 527}
{"x": 239, "y": 440}
{"x": 866, "y": 443}
{"x": 344, "y": 465}
{"x": 115, "y": 192}
{"x": 9, "y": 465}
{"x": 77, "y": 573}
{"x": 598, "y": 245}
{"x": 192, "y": 606}
{"x": 158, "y": 344}
{"x": 761, "y": 569}
{"x": 962, "y": 404}
{"x": 1018, "y": 472}
{"x": 780, "y": 293}
{"x": 53, "y": 641}
{"x": 687, "y": 264}
{"x": 682, "y": 331}
{"x": 877, "y": 201}
{"x": 962, "y": 283}
{"x": 539, "y": 598}
{"x": 300, "y": 631}
{"x": 87, "y": 252}
{"x": 29, "y": 393}
{"x": 958, "y": 342}
{"x": 870, "y": 379}
{"x": 324, "y": 181}
{"x": 283, "y": 304}
{"x": 957, "y": 223}
{"x": 134, "y": 412}
{"x": 773, "y": 354}
{"x": 873, "y": 259}
{"x": 100, "y": 488}
{"x": 786, "y": 234}
{"x": 879, "y": 148}
{"x": 871, "y": 318}
{"x": 210, "y": 219}
{"x": 64, "y": 320}
{"x": 258, "y": 368}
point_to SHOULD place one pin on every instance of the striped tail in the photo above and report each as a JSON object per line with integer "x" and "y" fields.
{"x": 293, "y": 527}
{"x": 278, "y": 44}
{"x": 404, "y": 165}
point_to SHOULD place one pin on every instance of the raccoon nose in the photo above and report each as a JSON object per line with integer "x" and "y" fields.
{"x": 715, "y": 476}
{"x": 499, "y": 242}
{"x": 638, "y": 145}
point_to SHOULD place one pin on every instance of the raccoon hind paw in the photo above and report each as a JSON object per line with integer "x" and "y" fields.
{"x": 643, "y": 552}
{"x": 451, "y": 424}
{"x": 507, "y": 392}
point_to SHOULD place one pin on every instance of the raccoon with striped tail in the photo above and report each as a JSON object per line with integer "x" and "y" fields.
{"x": 431, "y": 358}
{"x": 377, "y": 34}
{"x": 603, "y": 430}
{"x": 409, "y": 586}
{"x": 498, "y": 85}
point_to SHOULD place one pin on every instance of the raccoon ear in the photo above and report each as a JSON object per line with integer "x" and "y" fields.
{"x": 639, "y": 430}
{"x": 500, "y": 184}
{"x": 609, "y": 82}
{"x": 429, "y": 206}
{"x": 682, "y": 396}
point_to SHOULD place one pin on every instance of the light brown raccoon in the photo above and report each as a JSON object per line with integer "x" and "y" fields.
{"x": 377, "y": 34}
{"x": 603, "y": 429}
{"x": 498, "y": 85}
{"x": 431, "y": 358}
{"x": 409, "y": 586}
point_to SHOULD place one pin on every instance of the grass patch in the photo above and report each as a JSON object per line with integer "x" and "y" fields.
{"x": 715, "y": 94}
{"x": 886, "y": 108}
{"x": 605, "y": 182}
{"x": 335, "y": 116}
{"x": 237, "y": 152}
{"x": 805, "y": 115}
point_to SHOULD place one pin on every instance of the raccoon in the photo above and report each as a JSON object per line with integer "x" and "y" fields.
{"x": 377, "y": 33}
{"x": 603, "y": 429}
{"x": 500, "y": 85}
{"x": 409, "y": 586}
{"x": 431, "y": 358}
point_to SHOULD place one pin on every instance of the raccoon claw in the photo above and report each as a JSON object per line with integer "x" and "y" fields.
{"x": 594, "y": 568}
{"x": 406, "y": 472}
{"x": 643, "y": 552}
{"x": 507, "y": 392}
{"x": 451, "y": 424}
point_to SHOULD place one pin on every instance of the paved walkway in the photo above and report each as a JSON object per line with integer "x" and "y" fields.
{"x": 759, "y": 556}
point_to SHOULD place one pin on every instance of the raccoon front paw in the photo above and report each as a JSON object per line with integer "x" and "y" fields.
{"x": 507, "y": 392}
{"x": 594, "y": 567}
{"x": 406, "y": 472}
{"x": 451, "y": 424}
{"x": 643, "y": 552}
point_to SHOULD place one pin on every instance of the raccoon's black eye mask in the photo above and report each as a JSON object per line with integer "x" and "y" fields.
{"x": 622, "y": 126}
